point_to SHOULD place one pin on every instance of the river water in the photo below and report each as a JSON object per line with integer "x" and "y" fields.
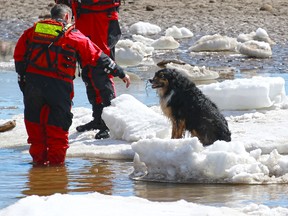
{"x": 18, "y": 178}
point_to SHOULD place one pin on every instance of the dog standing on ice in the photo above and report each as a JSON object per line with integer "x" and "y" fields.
{"x": 188, "y": 108}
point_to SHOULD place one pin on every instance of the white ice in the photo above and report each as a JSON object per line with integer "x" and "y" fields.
{"x": 260, "y": 35}
{"x": 132, "y": 52}
{"x": 105, "y": 205}
{"x": 144, "y": 28}
{"x": 244, "y": 94}
{"x": 195, "y": 73}
{"x": 214, "y": 42}
{"x": 253, "y": 48}
{"x": 256, "y": 154}
{"x": 165, "y": 42}
{"x": 178, "y": 33}
{"x": 129, "y": 53}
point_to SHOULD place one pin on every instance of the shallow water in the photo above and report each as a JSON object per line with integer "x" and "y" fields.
{"x": 19, "y": 178}
{"x": 84, "y": 175}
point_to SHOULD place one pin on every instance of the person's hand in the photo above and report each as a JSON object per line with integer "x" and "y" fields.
{"x": 21, "y": 82}
{"x": 126, "y": 80}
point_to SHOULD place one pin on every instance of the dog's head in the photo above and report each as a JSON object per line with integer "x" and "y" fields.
{"x": 163, "y": 78}
{"x": 166, "y": 80}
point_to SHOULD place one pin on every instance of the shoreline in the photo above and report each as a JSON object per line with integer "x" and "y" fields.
{"x": 201, "y": 17}
{"x": 226, "y": 17}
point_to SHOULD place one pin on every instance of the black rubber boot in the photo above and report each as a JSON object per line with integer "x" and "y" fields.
{"x": 102, "y": 134}
{"x": 92, "y": 125}
{"x": 96, "y": 123}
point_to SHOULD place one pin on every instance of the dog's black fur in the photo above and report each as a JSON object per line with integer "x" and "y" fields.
{"x": 188, "y": 108}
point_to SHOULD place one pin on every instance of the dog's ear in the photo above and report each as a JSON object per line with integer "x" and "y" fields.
{"x": 174, "y": 77}
{"x": 161, "y": 74}
{"x": 174, "y": 74}
{"x": 169, "y": 74}
{"x": 177, "y": 79}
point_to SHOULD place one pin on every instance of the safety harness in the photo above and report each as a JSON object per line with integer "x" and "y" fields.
{"x": 45, "y": 54}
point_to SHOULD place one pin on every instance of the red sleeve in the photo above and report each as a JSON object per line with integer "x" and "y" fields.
{"x": 88, "y": 52}
{"x": 21, "y": 45}
{"x": 20, "y": 51}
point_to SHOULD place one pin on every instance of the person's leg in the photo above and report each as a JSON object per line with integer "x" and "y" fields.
{"x": 105, "y": 34}
{"x": 57, "y": 143}
{"x": 36, "y": 138}
{"x": 94, "y": 99}
{"x": 57, "y": 127}
{"x": 34, "y": 116}
{"x": 103, "y": 132}
{"x": 110, "y": 38}
{"x": 106, "y": 89}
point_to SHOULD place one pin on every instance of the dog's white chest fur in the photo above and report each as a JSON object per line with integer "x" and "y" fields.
{"x": 164, "y": 103}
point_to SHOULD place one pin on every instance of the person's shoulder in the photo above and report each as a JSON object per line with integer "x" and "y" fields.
{"x": 76, "y": 33}
{"x": 27, "y": 32}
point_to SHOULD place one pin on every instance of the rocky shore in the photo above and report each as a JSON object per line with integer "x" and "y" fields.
{"x": 202, "y": 17}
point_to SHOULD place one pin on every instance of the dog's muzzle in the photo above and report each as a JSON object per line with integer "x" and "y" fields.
{"x": 154, "y": 83}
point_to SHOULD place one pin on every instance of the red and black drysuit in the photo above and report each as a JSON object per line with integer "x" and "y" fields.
{"x": 45, "y": 60}
{"x": 98, "y": 20}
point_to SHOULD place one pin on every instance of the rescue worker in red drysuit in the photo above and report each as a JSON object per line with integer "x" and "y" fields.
{"x": 45, "y": 60}
{"x": 98, "y": 20}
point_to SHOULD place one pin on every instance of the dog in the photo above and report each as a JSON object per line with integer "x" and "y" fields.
{"x": 188, "y": 108}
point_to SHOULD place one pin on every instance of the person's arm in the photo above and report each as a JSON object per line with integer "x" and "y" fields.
{"x": 91, "y": 54}
{"x": 110, "y": 67}
{"x": 19, "y": 56}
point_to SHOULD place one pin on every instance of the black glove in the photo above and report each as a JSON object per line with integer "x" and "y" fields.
{"x": 110, "y": 67}
{"x": 20, "y": 67}
{"x": 21, "y": 82}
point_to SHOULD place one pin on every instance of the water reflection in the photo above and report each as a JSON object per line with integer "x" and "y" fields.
{"x": 85, "y": 175}
{"x": 96, "y": 176}
{"x": 216, "y": 195}
{"x": 44, "y": 181}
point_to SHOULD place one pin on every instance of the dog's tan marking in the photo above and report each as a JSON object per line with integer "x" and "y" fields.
{"x": 161, "y": 91}
{"x": 178, "y": 129}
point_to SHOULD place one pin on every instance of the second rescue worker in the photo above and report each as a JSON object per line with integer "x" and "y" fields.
{"x": 98, "y": 20}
